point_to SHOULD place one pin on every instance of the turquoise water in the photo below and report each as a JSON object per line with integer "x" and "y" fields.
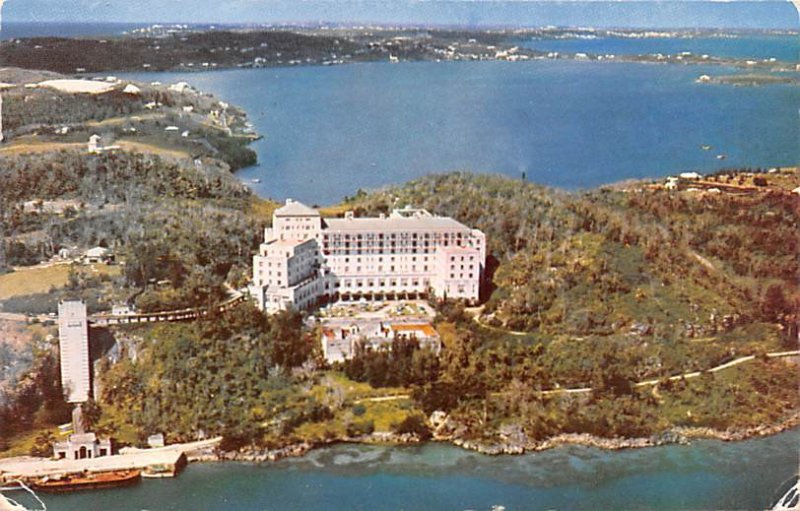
{"x": 331, "y": 130}
{"x": 783, "y": 48}
{"x": 704, "y": 475}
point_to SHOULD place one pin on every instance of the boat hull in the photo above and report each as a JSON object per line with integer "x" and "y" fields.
{"x": 93, "y": 482}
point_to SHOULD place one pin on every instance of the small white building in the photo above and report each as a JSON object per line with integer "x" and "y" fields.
{"x": 94, "y": 146}
{"x": 155, "y": 441}
{"x": 132, "y": 89}
{"x": 180, "y": 87}
{"x": 98, "y": 255}
{"x": 694, "y": 176}
{"x": 82, "y": 446}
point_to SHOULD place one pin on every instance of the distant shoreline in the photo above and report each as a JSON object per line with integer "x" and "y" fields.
{"x": 184, "y": 49}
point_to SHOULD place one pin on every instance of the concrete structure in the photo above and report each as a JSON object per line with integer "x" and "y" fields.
{"x": 156, "y": 440}
{"x": 98, "y": 255}
{"x": 306, "y": 260}
{"x": 93, "y": 145}
{"x": 82, "y": 446}
{"x": 173, "y": 456}
{"x": 342, "y": 343}
{"x": 73, "y": 342}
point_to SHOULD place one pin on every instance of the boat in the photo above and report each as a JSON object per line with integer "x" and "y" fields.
{"x": 255, "y": 180}
{"x": 158, "y": 471}
{"x": 789, "y": 493}
{"x": 7, "y": 504}
{"x": 721, "y": 156}
{"x": 705, "y": 147}
{"x": 87, "y": 481}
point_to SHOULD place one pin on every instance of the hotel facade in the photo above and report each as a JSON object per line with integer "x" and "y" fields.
{"x": 306, "y": 260}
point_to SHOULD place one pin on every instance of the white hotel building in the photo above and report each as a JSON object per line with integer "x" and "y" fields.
{"x": 410, "y": 253}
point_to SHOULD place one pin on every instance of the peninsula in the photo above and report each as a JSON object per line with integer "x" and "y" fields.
{"x": 625, "y": 316}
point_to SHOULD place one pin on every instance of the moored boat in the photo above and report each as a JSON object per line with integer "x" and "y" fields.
{"x": 90, "y": 481}
{"x": 159, "y": 471}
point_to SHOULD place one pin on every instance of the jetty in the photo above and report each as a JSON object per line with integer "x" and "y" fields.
{"x": 172, "y": 457}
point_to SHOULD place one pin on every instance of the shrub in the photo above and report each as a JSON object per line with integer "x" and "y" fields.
{"x": 360, "y": 428}
{"x": 413, "y": 424}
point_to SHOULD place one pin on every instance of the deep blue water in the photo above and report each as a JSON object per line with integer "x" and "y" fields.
{"x": 331, "y": 130}
{"x": 705, "y": 475}
{"x": 783, "y": 48}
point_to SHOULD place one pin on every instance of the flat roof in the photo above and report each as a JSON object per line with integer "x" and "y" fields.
{"x": 425, "y": 223}
{"x": 290, "y": 243}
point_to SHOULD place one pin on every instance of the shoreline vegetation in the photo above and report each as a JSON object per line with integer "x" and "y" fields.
{"x": 679, "y": 436}
{"x": 182, "y": 48}
{"x": 601, "y": 288}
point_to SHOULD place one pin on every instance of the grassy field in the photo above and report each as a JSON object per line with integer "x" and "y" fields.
{"x": 21, "y": 147}
{"x": 41, "y": 279}
{"x": 148, "y": 148}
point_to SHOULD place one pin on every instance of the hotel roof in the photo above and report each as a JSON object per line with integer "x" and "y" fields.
{"x": 393, "y": 223}
{"x": 293, "y": 208}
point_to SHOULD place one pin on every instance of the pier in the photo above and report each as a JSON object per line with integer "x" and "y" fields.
{"x": 172, "y": 457}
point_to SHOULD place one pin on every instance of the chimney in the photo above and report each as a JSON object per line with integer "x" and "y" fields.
{"x": 289, "y": 201}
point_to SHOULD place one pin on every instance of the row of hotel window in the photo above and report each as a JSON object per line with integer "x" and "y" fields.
{"x": 394, "y": 236}
{"x": 391, "y": 245}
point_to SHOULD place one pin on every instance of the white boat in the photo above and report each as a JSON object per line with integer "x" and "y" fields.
{"x": 255, "y": 180}
{"x": 8, "y": 504}
{"x": 789, "y": 496}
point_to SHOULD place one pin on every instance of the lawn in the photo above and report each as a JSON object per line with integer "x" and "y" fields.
{"x": 40, "y": 279}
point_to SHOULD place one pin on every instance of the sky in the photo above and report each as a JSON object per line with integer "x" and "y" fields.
{"x": 633, "y": 13}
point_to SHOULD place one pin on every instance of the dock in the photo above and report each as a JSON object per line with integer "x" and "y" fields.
{"x": 172, "y": 457}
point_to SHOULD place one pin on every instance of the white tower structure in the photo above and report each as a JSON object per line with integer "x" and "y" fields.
{"x": 73, "y": 342}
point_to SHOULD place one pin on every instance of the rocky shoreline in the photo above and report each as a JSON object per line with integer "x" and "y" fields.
{"x": 679, "y": 435}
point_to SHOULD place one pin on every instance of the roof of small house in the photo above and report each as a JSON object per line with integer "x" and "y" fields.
{"x": 425, "y": 328}
{"x": 97, "y": 252}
